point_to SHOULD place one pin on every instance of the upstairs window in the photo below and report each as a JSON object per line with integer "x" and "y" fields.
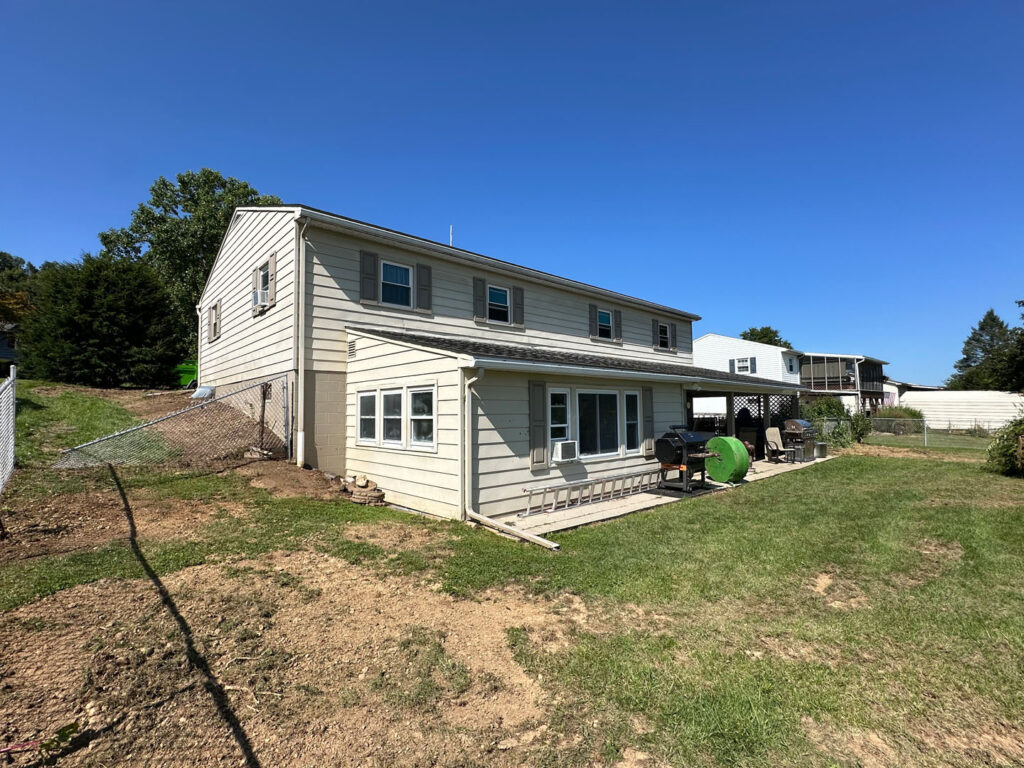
{"x": 395, "y": 284}
{"x": 791, "y": 364}
{"x": 664, "y": 339}
{"x": 604, "y": 324}
{"x": 497, "y": 304}
{"x": 742, "y": 365}
{"x": 213, "y": 322}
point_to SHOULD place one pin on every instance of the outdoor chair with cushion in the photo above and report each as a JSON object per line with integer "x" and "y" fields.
{"x": 774, "y": 447}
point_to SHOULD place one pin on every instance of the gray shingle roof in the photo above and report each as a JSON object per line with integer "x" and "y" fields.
{"x": 463, "y": 346}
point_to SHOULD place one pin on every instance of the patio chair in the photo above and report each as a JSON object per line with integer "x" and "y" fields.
{"x": 774, "y": 447}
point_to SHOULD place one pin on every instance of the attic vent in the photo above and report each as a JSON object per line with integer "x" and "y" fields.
{"x": 351, "y": 349}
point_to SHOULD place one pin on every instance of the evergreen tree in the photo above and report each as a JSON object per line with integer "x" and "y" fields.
{"x": 102, "y": 322}
{"x": 985, "y": 343}
{"x": 765, "y": 335}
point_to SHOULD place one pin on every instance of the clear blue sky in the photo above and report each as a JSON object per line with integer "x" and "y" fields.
{"x": 850, "y": 172}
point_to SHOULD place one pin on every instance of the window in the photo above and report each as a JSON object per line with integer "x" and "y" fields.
{"x": 632, "y": 421}
{"x": 604, "y": 324}
{"x": 263, "y": 278}
{"x": 213, "y": 322}
{"x": 421, "y": 417}
{"x": 368, "y": 417}
{"x": 598, "y": 422}
{"x": 791, "y": 364}
{"x": 395, "y": 284}
{"x": 742, "y": 365}
{"x": 497, "y": 304}
{"x": 558, "y": 415}
{"x": 664, "y": 340}
{"x": 391, "y": 417}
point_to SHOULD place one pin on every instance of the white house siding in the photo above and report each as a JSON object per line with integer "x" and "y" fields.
{"x": 965, "y": 409}
{"x": 250, "y": 347}
{"x": 427, "y": 481}
{"x": 554, "y": 317}
{"x": 501, "y": 427}
{"x": 714, "y": 351}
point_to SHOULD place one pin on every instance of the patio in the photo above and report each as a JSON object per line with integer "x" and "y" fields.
{"x": 542, "y": 523}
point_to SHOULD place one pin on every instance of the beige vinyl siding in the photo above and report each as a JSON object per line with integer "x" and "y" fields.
{"x": 421, "y": 479}
{"x": 954, "y": 409}
{"x": 501, "y": 433}
{"x": 554, "y": 317}
{"x": 250, "y": 347}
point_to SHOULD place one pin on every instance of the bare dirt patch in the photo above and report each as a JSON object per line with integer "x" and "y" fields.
{"x": 887, "y": 451}
{"x": 92, "y": 519}
{"x": 393, "y": 536}
{"x": 838, "y": 593}
{"x": 283, "y": 479}
{"x": 321, "y": 662}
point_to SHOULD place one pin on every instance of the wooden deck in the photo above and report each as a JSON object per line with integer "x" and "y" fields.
{"x": 549, "y": 522}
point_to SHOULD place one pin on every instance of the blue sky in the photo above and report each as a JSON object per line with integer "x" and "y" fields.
{"x": 710, "y": 155}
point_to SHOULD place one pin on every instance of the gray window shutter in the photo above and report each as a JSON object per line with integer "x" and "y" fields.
{"x": 369, "y": 288}
{"x": 518, "y": 308}
{"x": 209, "y": 322}
{"x": 647, "y": 406}
{"x": 479, "y": 298}
{"x": 654, "y": 332}
{"x": 753, "y": 365}
{"x": 255, "y": 287}
{"x": 593, "y": 320}
{"x": 617, "y": 327}
{"x": 272, "y": 279}
{"x": 219, "y": 317}
{"x": 538, "y": 425}
{"x": 732, "y": 366}
{"x": 424, "y": 287}
{"x": 672, "y": 336}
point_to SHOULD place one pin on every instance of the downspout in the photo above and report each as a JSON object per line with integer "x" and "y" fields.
{"x": 466, "y": 472}
{"x": 300, "y": 344}
{"x": 199, "y": 343}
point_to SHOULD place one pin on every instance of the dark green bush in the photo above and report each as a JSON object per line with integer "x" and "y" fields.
{"x": 860, "y": 427}
{"x": 1005, "y": 452}
{"x": 897, "y": 412}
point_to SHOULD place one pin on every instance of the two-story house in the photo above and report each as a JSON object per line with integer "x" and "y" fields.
{"x": 729, "y": 353}
{"x": 452, "y": 379}
{"x": 857, "y": 380}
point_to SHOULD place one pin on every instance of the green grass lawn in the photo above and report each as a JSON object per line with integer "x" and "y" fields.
{"x": 869, "y": 594}
{"x": 937, "y": 440}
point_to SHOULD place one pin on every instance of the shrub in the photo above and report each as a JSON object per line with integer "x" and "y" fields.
{"x": 1004, "y": 452}
{"x": 860, "y": 427}
{"x": 897, "y": 412}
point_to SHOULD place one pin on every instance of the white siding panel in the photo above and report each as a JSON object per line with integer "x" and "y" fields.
{"x": 963, "y": 409}
{"x": 714, "y": 351}
{"x": 250, "y": 347}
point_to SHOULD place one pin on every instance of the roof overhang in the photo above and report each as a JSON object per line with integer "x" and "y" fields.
{"x": 858, "y": 358}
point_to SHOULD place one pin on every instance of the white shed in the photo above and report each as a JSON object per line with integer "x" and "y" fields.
{"x": 963, "y": 409}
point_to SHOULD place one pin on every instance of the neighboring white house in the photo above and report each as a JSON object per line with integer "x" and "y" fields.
{"x": 728, "y": 353}
{"x": 453, "y": 379}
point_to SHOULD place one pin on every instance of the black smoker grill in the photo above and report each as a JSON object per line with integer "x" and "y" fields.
{"x": 685, "y": 451}
{"x": 799, "y": 434}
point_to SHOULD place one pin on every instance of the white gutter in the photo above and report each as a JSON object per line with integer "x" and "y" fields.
{"x": 300, "y": 342}
{"x": 466, "y": 471}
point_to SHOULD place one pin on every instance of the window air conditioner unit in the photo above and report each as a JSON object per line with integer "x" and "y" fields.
{"x": 566, "y": 450}
{"x": 261, "y": 298}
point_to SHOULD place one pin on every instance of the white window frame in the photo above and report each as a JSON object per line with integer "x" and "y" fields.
{"x": 418, "y": 445}
{"x": 360, "y": 440}
{"x": 400, "y": 443}
{"x": 625, "y": 423}
{"x": 667, "y": 336}
{"x": 742, "y": 365}
{"x": 610, "y": 324}
{"x": 411, "y": 286}
{"x": 214, "y": 319}
{"x": 568, "y": 415}
{"x": 263, "y": 281}
{"x": 508, "y": 304}
{"x": 618, "y": 423}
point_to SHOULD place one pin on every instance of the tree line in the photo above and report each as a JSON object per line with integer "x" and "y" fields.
{"x": 126, "y": 314}
{"x": 992, "y": 356}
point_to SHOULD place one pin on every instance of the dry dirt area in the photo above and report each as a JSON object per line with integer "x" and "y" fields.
{"x": 887, "y": 451}
{"x": 312, "y": 662}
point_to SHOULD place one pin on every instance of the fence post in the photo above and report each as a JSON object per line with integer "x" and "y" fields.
{"x": 287, "y": 424}
{"x": 925, "y": 432}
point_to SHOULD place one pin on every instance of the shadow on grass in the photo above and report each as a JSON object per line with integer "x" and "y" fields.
{"x": 196, "y": 659}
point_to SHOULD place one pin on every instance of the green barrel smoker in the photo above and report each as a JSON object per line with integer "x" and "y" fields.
{"x": 723, "y": 459}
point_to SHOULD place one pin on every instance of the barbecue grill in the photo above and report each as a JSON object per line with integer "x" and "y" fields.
{"x": 683, "y": 450}
{"x": 800, "y": 434}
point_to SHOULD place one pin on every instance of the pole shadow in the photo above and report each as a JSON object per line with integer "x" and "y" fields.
{"x": 196, "y": 659}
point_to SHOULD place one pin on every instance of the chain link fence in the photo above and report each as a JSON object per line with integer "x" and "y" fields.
{"x": 247, "y": 420}
{"x": 7, "y": 410}
{"x": 931, "y": 433}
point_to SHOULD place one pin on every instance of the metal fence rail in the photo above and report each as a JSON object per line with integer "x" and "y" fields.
{"x": 932, "y": 433}
{"x": 252, "y": 418}
{"x": 7, "y": 411}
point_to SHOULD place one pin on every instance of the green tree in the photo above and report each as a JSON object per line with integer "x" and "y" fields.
{"x": 765, "y": 335}
{"x": 101, "y": 322}
{"x": 984, "y": 346}
{"x": 178, "y": 232}
{"x": 15, "y": 280}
